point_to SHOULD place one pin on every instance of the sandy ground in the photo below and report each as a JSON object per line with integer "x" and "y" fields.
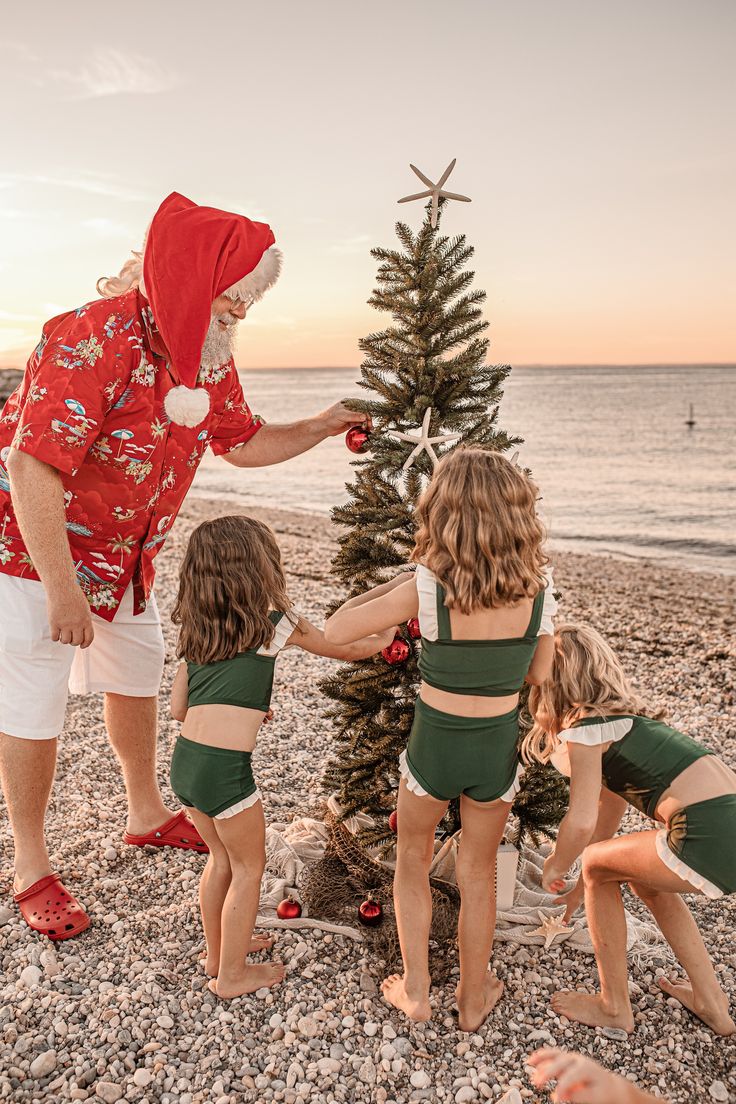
{"x": 123, "y": 1013}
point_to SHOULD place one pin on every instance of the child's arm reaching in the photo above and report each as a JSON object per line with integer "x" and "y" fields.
{"x": 390, "y": 604}
{"x": 314, "y": 640}
{"x": 611, "y": 809}
{"x": 180, "y": 694}
{"x": 377, "y": 591}
{"x": 579, "y": 823}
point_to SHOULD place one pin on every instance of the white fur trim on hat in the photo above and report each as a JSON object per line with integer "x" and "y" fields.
{"x": 187, "y": 406}
{"x": 255, "y": 285}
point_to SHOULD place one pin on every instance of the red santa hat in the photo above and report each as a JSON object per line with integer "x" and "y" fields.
{"x": 192, "y": 255}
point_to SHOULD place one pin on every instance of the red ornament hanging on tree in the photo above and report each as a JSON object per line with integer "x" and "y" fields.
{"x": 370, "y": 912}
{"x": 393, "y": 821}
{"x": 397, "y": 651}
{"x": 288, "y": 909}
{"x": 412, "y": 627}
{"x": 357, "y": 439}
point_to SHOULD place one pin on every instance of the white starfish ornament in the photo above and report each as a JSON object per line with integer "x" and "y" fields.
{"x": 422, "y": 441}
{"x": 551, "y": 927}
{"x": 435, "y": 191}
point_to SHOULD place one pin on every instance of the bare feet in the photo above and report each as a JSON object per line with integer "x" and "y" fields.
{"x": 475, "y": 1009}
{"x": 415, "y": 1005}
{"x": 261, "y": 976}
{"x": 587, "y": 1009}
{"x": 715, "y": 1016}
{"x": 258, "y": 943}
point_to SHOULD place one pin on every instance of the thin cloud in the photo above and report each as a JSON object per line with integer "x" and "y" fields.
{"x": 107, "y": 228}
{"x": 110, "y": 72}
{"x": 93, "y": 183}
{"x": 360, "y": 243}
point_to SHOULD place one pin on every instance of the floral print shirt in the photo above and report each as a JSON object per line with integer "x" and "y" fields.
{"x": 91, "y": 404}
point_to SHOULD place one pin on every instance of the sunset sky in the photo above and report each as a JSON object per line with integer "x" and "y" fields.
{"x": 596, "y": 141}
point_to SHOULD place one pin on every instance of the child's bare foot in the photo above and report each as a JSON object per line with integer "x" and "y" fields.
{"x": 476, "y": 1008}
{"x": 261, "y": 976}
{"x": 587, "y": 1009}
{"x": 415, "y": 1005}
{"x": 715, "y": 1015}
{"x": 258, "y": 943}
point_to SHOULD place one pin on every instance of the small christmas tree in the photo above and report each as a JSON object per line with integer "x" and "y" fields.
{"x": 428, "y": 369}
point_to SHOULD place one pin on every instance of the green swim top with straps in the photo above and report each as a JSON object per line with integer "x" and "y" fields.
{"x": 644, "y": 757}
{"x": 245, "y": 680}
{"x": 489, "y": 668}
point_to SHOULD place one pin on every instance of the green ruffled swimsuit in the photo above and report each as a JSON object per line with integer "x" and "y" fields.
{"x": 217, "y": 781}
{"x": 643, "y": 760}
{"x": 448, "y": 755}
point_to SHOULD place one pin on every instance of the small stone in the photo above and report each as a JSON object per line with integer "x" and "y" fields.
{"x": 110, "y": 854}
{"x": 328, "y": 1065}
{"x": 367, "y": 984}
{"x": 465, "y": 1094}
{"x": 370, "y": 1028}
{"x": 45, "y": 1064}
{"x": 717, "y": 1090}
{"x": 142, "y": 1078}
{"x": 616, "y": 1033}
{"x": 420, "y": 1079}
{"x": 30, "y": 976}
{"x": 308, "y": 1026}
{"x": 6, "y": 915}
{"x": 108, "y": 1091}
{"x": 513, "y": 1096}
{"x": 165, "y": 1022}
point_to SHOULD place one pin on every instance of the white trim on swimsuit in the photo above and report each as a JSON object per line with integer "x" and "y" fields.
{"x": 427, "y": 593}
{"x": 414, "y": 787}
{"x": 239, "y": 806}
{"x": 682, "y": 870}
{"x": 284, "y": 628}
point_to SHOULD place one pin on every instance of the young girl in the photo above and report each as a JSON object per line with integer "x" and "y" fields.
{"x": 235, "y": 618}
{"x": 594, "y": 727}
{"x": 484, "y": 604}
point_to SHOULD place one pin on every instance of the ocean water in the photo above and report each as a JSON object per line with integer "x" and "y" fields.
{"x": 619, "y": 470}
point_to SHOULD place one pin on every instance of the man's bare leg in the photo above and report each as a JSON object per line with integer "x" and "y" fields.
{"x": 132, "y": 727}
{"x": 27, "y": 773}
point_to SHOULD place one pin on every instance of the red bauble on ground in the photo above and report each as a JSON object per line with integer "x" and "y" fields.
{"x": 393, "y": 821}
{"x": 397, "y": 651}
{"x": 370, "y": 912}
{"x": 412, "y": 627}
{"x": 358, "y": 438}
{"x": 288, "y": 909}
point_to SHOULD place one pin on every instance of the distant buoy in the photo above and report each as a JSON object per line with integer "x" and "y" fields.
{"x": 690, "y": 422}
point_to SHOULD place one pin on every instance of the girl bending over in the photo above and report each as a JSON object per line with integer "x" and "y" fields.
{"x": 484, "y": 603}
{"x": 235, "y": 618}
{"x": 593, "y": 727}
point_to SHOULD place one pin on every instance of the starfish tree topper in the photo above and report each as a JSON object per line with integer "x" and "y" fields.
{"x": 436, "y": 191}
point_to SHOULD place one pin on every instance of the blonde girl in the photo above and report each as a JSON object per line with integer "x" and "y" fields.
{"x": 594, "y": 727}
{"x": 484, "y": 602}
{"x": 235, "y": 618}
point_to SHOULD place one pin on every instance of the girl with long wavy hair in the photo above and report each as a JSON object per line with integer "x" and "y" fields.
{"x": 595, "y": 728}
{"x": 483, "y": 597}
{"x": 234, "y": 617}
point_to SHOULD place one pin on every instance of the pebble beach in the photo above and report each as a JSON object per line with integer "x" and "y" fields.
{"x": 124, "y": 1013}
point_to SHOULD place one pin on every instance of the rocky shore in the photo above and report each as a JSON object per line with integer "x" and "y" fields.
{"x": 9, "y": 380}
{"x": 123, "y": 1012}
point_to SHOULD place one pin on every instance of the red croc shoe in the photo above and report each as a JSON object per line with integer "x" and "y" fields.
{"x": 177, "y": 832}
{"x": 49, "y": 908}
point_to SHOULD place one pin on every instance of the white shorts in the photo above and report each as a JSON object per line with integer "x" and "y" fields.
{"x": 37, "y": 673}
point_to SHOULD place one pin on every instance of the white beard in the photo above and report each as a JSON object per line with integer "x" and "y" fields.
{"x": 219, "y": 344}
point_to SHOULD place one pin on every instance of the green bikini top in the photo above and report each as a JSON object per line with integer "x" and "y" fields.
{"x": 246, "y": 679}
{"x": 643, "y": 760}
{"x": 489, "y": 668}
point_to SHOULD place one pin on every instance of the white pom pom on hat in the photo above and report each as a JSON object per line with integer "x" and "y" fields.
{"x": 187, "y": 406}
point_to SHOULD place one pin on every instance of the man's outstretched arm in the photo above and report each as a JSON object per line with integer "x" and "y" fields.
{"x": 276, "y": 443}
{"x": 38, "y": 500}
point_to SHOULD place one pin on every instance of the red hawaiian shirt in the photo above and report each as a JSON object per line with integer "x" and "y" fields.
{"x": 91, "y": 404}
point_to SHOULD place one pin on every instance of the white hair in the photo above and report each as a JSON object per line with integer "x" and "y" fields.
{"x": 250, "y": 289}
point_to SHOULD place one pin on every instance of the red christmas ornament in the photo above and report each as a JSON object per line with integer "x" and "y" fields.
{"x": 370, "y": 912}
{"x": 393, "y": 821}
{"x": 288, "y": 909}
{"x": 357, "y": 439}
{"x": 412, "y": 627}
{"x": 397, "y": 651}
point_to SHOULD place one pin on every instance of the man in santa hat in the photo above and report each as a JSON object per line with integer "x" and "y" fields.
{"x": 98, "y": 447}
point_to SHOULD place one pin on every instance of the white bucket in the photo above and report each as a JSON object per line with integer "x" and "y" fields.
{"x": 507, "y": 862}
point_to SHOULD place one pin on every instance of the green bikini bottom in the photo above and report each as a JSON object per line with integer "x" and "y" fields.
{"x": 217, "y": 781}
{"x": 699, "y": 844}
{"x": 449, "y": 755}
